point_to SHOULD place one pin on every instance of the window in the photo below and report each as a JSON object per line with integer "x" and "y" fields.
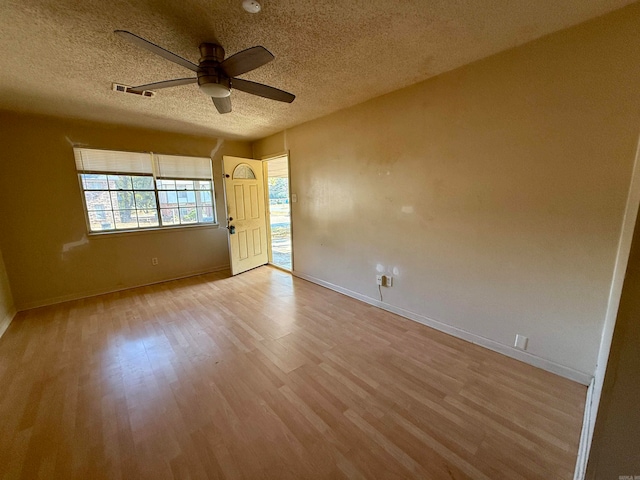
{"x": 243, "y": 172}
{"x": 134, "y": 191}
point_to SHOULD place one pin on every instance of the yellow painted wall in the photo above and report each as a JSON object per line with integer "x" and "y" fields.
{"x": 7, "y": 309}
{"x": 47, "y": 252}
{"x": 275, "y": 144}
{"x": 493, "y": 193}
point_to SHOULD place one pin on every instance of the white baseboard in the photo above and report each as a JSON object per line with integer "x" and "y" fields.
{"x": 548, "y": 365}
{"x": 585, "y": 436}
{"x": 6, "y": 321}
{"x": 93, "y": 293}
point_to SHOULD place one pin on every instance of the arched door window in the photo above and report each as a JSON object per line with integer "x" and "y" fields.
{"x": 243, "y": 172}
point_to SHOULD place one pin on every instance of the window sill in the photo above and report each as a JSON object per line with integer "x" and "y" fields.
{"x": 177, "y": 228}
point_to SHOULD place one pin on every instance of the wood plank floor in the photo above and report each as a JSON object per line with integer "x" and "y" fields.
{"x": 198, "y": 379}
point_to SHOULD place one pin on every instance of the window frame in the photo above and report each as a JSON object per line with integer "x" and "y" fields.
{"x": 156, "y": 176}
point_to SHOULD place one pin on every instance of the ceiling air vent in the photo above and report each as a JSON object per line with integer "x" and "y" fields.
{"x": 117, "y": 87}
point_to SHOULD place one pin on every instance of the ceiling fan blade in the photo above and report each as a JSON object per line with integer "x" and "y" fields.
{"x": 165, "y": 84}
{"x": 262, "y": 90}
{"x": 223, "y": 105}
{"x": 152, "y": 47}
{"x": 246, "y": 60}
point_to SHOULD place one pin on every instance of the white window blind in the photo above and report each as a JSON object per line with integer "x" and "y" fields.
{"x": 176, "y": 166}
{"x": 167, "y": 166}
{"x": 93, "y": 160}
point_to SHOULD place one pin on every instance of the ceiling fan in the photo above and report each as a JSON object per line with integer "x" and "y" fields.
{"x": 216, "y": 76}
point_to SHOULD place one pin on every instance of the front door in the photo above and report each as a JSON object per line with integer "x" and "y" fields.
{"x": 246, "y": 218}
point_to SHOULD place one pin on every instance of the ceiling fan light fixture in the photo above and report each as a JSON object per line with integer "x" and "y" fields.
{"x": 215, "y": 74}
{"x": 251, "y": 6}
{"x": 215, "y": 90}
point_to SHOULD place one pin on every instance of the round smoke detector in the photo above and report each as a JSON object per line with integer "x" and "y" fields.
{"x": 251, "y": 6}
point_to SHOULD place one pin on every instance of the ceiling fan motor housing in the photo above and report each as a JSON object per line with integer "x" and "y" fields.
{"x": 211, "y": 51}
{"x": 211, "y": 80}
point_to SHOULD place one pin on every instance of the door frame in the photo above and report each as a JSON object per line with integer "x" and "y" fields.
{"x": 265, "y": 162}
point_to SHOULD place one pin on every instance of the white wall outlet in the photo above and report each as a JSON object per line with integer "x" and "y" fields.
{"x": 294, "y": 198}
{"x": 388, "y": 281}
{"x": 521, "y": 342}
{"x": 154, "y": 261}
{"x": 379, "y": 280}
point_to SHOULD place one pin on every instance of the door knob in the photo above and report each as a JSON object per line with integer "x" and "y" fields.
{"x": 232, "y": 229}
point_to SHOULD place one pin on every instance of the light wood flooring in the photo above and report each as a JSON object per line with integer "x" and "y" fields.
{"x": 265, "y": 376}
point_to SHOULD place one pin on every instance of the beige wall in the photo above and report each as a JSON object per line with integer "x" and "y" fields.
{"x": 616, "y": 440}
{"x": 7, "y": 309}
{"x": 47, "y": 252}
{"x": 495, "y": 192}
{"x": 275, "y": 144}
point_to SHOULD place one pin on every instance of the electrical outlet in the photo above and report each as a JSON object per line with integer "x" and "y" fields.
{"x": 379, "y": 280}
{"x": 521, "y": 342}
{"x": 154, "y": 261}
{"x": 388, "y": 281}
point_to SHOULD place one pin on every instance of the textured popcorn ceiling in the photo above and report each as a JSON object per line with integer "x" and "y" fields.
{"x": 60, "y": 57}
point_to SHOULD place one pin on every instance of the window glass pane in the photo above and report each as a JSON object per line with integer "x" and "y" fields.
{"x": 101, "y": 220}
{"x": 125, "y": 219}
{"x": 243, "y": 171}
{"x": 147, "y": 218}
{"x": 205, "y": 214}
{"x": 184, "y": 184}
{"x": 203, "y": 198}
{"x": 168, "y": 199}
{"x": 122, "y": 200}
{"x": 188, "y": 215}
{"x": 170, "y": 216}
{"x": 166, "y": 184}
{"x": 202, "y": 185}
{"x": 187, "y": 198}
{"x": 142, "y": 183}
{"x": 120, "y": 182}
{"x": 94, "y": 181}
{"x": 145, "y": 200}
{"x": 97, "y": 200}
